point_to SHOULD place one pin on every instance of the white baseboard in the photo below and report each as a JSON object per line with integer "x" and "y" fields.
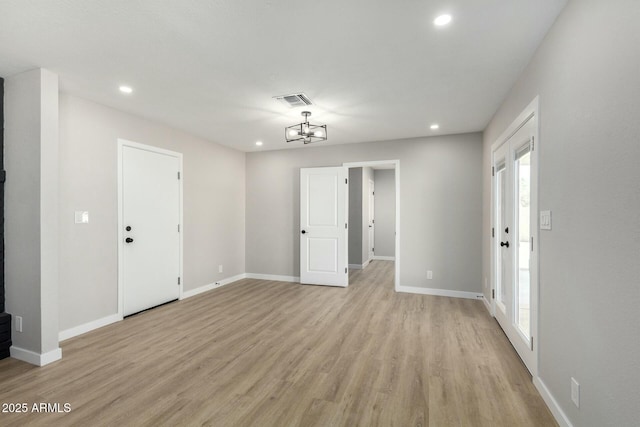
{"x": 35, "y": 358}
{"x": 211, "y": 286}
{"x": 487, "y": 304}
{"x": 90, "y": 326}
{"x": 384, "y": 258}
{"x": 552, "y": 403}
{"x": 355, "y": 266}
{"x": 438, "y": 292}
{"x": 364, "y": 264}
{"x": 273, "y": 277}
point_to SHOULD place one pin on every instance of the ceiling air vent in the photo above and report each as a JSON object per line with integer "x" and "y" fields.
{"x": 294, "y": 100}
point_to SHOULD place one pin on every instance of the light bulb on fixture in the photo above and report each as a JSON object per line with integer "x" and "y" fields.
{"x": 317, "y": 133}
{"x": 293, "y": 132}
{"x": 306, "y": 130}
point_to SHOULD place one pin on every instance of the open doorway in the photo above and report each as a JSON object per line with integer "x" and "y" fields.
{"x": 374, "y": 214}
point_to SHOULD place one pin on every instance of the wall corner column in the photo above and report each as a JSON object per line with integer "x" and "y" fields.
{"x": 31, "y": 213}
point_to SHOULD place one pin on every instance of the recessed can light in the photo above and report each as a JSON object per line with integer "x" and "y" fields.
{"x": 442, "y": 20}
{"x": 259, "y": 143}
{"x": 126, "y": 89}
{"x": 435, "y": 126}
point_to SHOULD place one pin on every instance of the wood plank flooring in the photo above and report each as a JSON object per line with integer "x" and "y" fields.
{"x": 261, "y": 353}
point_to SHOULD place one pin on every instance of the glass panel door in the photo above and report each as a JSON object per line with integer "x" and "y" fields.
{"x": 514, "y": 227}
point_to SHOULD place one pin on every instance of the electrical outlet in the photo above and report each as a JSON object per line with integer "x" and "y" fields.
{"x": 575, "y": 392}
{"x": 429, "y": 275}
{"x": 220, "y": 268}
{"x": 19, "y": 323}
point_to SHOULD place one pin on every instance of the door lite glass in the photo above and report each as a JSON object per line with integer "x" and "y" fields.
{"x": 501, "y": 262}
{"x": 523, "y": 215}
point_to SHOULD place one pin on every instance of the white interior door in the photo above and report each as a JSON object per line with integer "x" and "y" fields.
{"x": 323, "y": 226}
{"x": 515, "y": 227}
{"x": 372, "y": 222}
{"x": 150, "y": 206}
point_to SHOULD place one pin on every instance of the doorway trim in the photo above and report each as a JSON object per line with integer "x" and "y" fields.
{"x": 396, "y": 167}
{"x": 531, "y": 111}
{"x": 126, "y": 143}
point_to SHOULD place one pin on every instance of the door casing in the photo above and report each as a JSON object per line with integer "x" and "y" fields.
{"x": 396, "y": 167}
{"x": 530, "y": 112}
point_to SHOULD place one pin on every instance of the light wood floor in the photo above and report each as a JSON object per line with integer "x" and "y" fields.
{"x": 279, "y": 354}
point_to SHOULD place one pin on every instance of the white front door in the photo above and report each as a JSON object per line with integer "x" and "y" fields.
{"x": 150, "y": 218}
{"x": 515, "y": 227}
{"x": 372, "y": 222}
{"x": 323, "y": 226}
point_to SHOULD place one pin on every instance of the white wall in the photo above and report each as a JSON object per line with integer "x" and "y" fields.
{"x": 214, "y": 206}
{"x": 587, "y": 75}
{"x": 31, "y": 212}
{"x": 355, "y": 216}
{"x": 385, "y": 212}
{"x": 441, "y": 206}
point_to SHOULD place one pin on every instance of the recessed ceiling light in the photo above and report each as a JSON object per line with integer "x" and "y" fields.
{"x": 442, "y": 20}
{"x": 259, "y": 143}
{"x": 126, "y": 89}
{"x": 435, "y": 126}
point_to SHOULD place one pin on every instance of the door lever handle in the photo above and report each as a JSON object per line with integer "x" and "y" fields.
{"x": 128, "y": 240}
{"x": 504, "y": 244}
{"x": 303, "y": 231}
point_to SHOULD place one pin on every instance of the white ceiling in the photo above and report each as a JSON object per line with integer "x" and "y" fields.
{"x": 375, "y": 69}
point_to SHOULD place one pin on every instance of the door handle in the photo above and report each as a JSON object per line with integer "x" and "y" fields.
{"x": 504, "y": 244}
{"x": 128, "y": 240}
{"x": 303, "y": 231}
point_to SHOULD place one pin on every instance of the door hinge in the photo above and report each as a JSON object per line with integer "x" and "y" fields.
{"x": 3, "y": 176}
{"x": 373, "y": 193}
{"x": 493, "y": 294}
{"x": 493, "y": 171}
{"x": 346, "y": 181}
{"x": 178, "y": 228}
{"x": 345, "y": 225}
{"x": 345, "y": 269}
{"x": 531, "y": 243}
{"x": 533, "y": 138}
{"x": 178, "y": 280}
{"x": 493, "y": 232}
{"x": 531, "y": 343}
{"x": 178, "y": 175}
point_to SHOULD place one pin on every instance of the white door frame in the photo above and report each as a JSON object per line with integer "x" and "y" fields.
{"x": 372, "y": 219}
{"x": 125, "y": 143}
{"x": 531, "y": 111}
{"x": 396, "y": 164}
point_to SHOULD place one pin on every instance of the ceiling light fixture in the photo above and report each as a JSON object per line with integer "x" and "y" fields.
{"x": 306, "y": 131}
{"x": 442, "y": 20}
{"x": 435, "y": 126}
{"x": 259, "y": 143}
{"x": 126, "y": 89}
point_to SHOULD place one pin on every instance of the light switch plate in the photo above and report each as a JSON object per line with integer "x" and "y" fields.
{"x": 545, "y": 220}
{"x": 82, "y": 217}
